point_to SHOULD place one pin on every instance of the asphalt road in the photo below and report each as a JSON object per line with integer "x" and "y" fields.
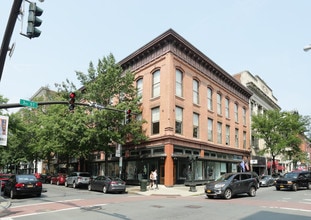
{"x": 60, "y": 203}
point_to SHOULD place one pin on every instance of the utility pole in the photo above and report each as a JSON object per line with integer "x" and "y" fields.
{"x": 8, "y": 32}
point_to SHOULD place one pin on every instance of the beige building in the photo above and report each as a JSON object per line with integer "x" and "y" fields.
{"x": 261, "y": 101}
{"x": 198, "y": 115}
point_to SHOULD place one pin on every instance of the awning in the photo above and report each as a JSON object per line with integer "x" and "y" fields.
{"x": 277, "y": 165}
{"x": 269, "y": 164}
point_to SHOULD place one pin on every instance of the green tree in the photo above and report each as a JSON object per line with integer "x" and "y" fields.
{"x": 281, "y": 132}
{"x": 16, "y": 150}
{"x": 109, "y": 86}
{"x": 3, "y": 101}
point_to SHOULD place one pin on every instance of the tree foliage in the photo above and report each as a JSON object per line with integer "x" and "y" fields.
{"x": 51, "y": 130}
{"x": 281, "y": 131}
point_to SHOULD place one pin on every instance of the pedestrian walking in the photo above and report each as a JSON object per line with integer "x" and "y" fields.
{"x": 155, "y": 178}
{"x": 151, "y": 179}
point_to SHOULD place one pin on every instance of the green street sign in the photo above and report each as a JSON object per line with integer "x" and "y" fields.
{"x": 28, "y": 103}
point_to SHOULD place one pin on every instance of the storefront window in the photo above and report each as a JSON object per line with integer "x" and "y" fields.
{"x": 131, "y": 170}
{"x": 199, "y": 170}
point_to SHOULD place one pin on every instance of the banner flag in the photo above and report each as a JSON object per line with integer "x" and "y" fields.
{"x": 4, "y": 123}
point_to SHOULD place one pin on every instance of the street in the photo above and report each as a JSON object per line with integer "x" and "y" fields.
{"x": 61, "y": 203}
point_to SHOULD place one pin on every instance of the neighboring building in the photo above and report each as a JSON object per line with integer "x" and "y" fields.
{"x": 198, "y": 115}
{"x": 305, "y": 164}
{"x": 261, "y": 101}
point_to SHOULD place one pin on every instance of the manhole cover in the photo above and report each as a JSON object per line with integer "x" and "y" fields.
{"x": 157, "y": 206}
{"x": 193, "y": 206}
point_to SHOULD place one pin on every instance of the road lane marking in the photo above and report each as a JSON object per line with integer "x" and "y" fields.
{"x": 53, "y": 211}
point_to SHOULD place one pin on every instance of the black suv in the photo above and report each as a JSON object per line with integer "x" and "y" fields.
{"x": 294, "y": 180}
{"x": 230, "y": 184}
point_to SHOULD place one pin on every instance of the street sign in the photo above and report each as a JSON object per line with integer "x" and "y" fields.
{"x": 28, "y": 103}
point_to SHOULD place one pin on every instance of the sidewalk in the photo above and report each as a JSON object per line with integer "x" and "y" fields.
{"x": 176, "y": 190}
{"x": 4, "y": 205}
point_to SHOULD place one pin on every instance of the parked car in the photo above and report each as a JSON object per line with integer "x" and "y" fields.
{"x": 107, "y": 184}
{"x": 255, "y": 175}
{"x": 230, "y": 184}
{"x": 4, "y": 178}
{"x": 22, "y": 185}
{"x": 45, "y": 178}
{"x": 266, "y": 180}
{"x": 78, "y": 179}
{"x": 58, "y": 179}
{"x": 294, "y": 180}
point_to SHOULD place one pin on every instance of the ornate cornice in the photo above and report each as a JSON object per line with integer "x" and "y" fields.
{"x": 171, "y": 42}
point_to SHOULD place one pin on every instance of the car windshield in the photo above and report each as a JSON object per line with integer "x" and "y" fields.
{"x": 291, "y": 175}
{"x": 85, "y": 175}
{"x": 224, "y": 177}
{"x": 265, "y": 177}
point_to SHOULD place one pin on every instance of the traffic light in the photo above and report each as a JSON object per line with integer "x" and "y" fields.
{"x": 128, "y": 116}
{"x": 72, "y": 99}
{"x": 33, "y": 20}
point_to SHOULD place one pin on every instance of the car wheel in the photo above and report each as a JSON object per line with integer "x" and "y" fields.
{"x": 74, "y": 185}
{"x": 252, "y": 192}
{"x": 39, "y": 194}
{"x": 12, "y": 194}
{"x": 89, "y": 187}
{"x": 277, "y": 188}
{"x": 104, "y": 189}
{"x": 228, "y": 194}
{"x": 294, "y": 187}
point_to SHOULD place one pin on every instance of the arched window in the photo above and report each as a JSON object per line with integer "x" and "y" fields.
{"x": 210, "y": 99}
{"x": 219, "y": 106}
{"x": 179, "y": 83}
{"x": 139, "y": 86}
{"x": 227, "y": 107}
{"x": 195, "y": 89}
{"x": 156, "y": 84}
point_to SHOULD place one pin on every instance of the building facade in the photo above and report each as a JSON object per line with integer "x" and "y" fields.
{"x": 261, "y": 101}
{"x": 198, "y": 117}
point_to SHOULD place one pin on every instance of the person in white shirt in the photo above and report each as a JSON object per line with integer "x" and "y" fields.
{"x": 155, "y": 178}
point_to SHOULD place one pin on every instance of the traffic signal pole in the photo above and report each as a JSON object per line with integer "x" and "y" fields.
{"x": 8, "y": 33}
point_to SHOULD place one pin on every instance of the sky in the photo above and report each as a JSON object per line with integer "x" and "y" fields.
{"x": 263, "y": 37}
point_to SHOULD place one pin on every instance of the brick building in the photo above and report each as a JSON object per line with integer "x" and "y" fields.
{"x": 198, "y": 115}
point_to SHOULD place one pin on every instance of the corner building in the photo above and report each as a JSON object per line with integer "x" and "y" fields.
{"x": 197, "y": 114}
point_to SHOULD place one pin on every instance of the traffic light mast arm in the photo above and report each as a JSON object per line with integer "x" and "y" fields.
{"x": 94, "y": 105}
{"x": 8, "y": 32}
{"x": 17, "y": 105}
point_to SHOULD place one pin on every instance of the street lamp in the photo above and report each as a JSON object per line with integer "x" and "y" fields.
{"x": 192, "y": 159}
{"x": 306, "y": 48}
